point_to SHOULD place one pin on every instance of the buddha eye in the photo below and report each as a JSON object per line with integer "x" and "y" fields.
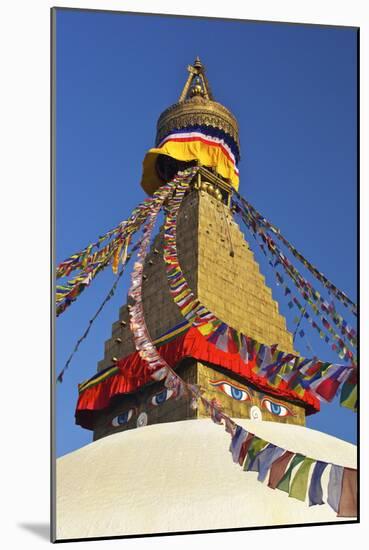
{"x": 161, "y": 397}
{"x": 123, "y": 418}
{"x": 276, "y": 408}
{"x": 240, "y": 394}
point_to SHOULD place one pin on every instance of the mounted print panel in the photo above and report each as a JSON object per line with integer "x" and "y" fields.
{"x": 206, "y": 363}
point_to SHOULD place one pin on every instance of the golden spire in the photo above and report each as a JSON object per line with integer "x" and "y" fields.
{"x": 195, "y": 112}
{"x": 197, "y": 83}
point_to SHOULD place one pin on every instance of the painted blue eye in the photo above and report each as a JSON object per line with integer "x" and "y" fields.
{"x": 236, "y": 393}
{"x": 161, "y": 397}
{"x": 231, "y": 390}
{"x": 276, "y": 408}
{"x": 123, "y": 418}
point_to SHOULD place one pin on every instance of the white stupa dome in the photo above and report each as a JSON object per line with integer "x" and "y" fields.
{"x": 180, "y": 476}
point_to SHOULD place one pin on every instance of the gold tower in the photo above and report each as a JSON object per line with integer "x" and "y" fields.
{"x": 221, "y": 270}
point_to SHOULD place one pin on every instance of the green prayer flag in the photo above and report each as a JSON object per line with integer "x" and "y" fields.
{"x": 275, "y": 380}
{"x": 236, "y": 338}
{"x": 256, "y": 445}
{"x": 284, "y": 484}
{"x": 299, "y": 482}
{"x": 349, "y": 397}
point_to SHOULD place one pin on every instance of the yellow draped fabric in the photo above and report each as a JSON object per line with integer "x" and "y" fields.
{"x": 211, "y": 155}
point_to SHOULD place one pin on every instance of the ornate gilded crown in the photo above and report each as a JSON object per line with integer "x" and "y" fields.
{"x": 195, "y": 131}
{"x": 196, "y": 107}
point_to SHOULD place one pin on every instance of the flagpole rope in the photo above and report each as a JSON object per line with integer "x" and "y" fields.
{"x": 298, "y": 324}
{"x": 231, "y": 253}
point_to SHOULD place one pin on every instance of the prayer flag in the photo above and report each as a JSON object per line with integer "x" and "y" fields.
{"x": 335, "y": 486}
{"x": 236, "y": 443}
{"x": 255, "y": 448}
{"x": 299, "y": 484}
{"x": 284, "y": 484}
{"x": 278, "y": 469}
{"x": 315, "y": 489}
{"x": 348, "y": 501}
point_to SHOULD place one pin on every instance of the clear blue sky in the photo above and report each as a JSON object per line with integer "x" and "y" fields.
{"x": 293, "y": 91}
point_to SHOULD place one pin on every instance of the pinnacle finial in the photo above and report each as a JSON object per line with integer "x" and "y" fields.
{"x": 197, "y": 83}
{"x": 198, "y": 64}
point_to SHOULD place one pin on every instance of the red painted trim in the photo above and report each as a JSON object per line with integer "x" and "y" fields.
{"x": 134, "y": 374}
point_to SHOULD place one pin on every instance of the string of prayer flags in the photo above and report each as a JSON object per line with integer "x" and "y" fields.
{"x": 304, "y": 287}
{"x": 66, "y": 295}
{"x": 161, "y": 196}
{"x": 250, "y": 451}
{"x": 79, "y": 259}
{"x": 342, "y": 351}
{"x": 326, "y": 324}
{"x": 321, "y": 379}
{"x": 287, "y": 470}
{"x": 214, "y": 408}
{"x": 290, "y": 472}
{"x": 143, "y": 343}
{"x": 114, "y": 252}
{"x": 109, "y": 295}
{"x": 257, "y": 220}
{"x": 346, "y": 331}
{"x": 126, "y": 228}
{"x": 158, "y": 367}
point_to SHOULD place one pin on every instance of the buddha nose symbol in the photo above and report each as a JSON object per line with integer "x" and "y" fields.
{"x": 255, "y": 413}
{"x": 142, "y": 420}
